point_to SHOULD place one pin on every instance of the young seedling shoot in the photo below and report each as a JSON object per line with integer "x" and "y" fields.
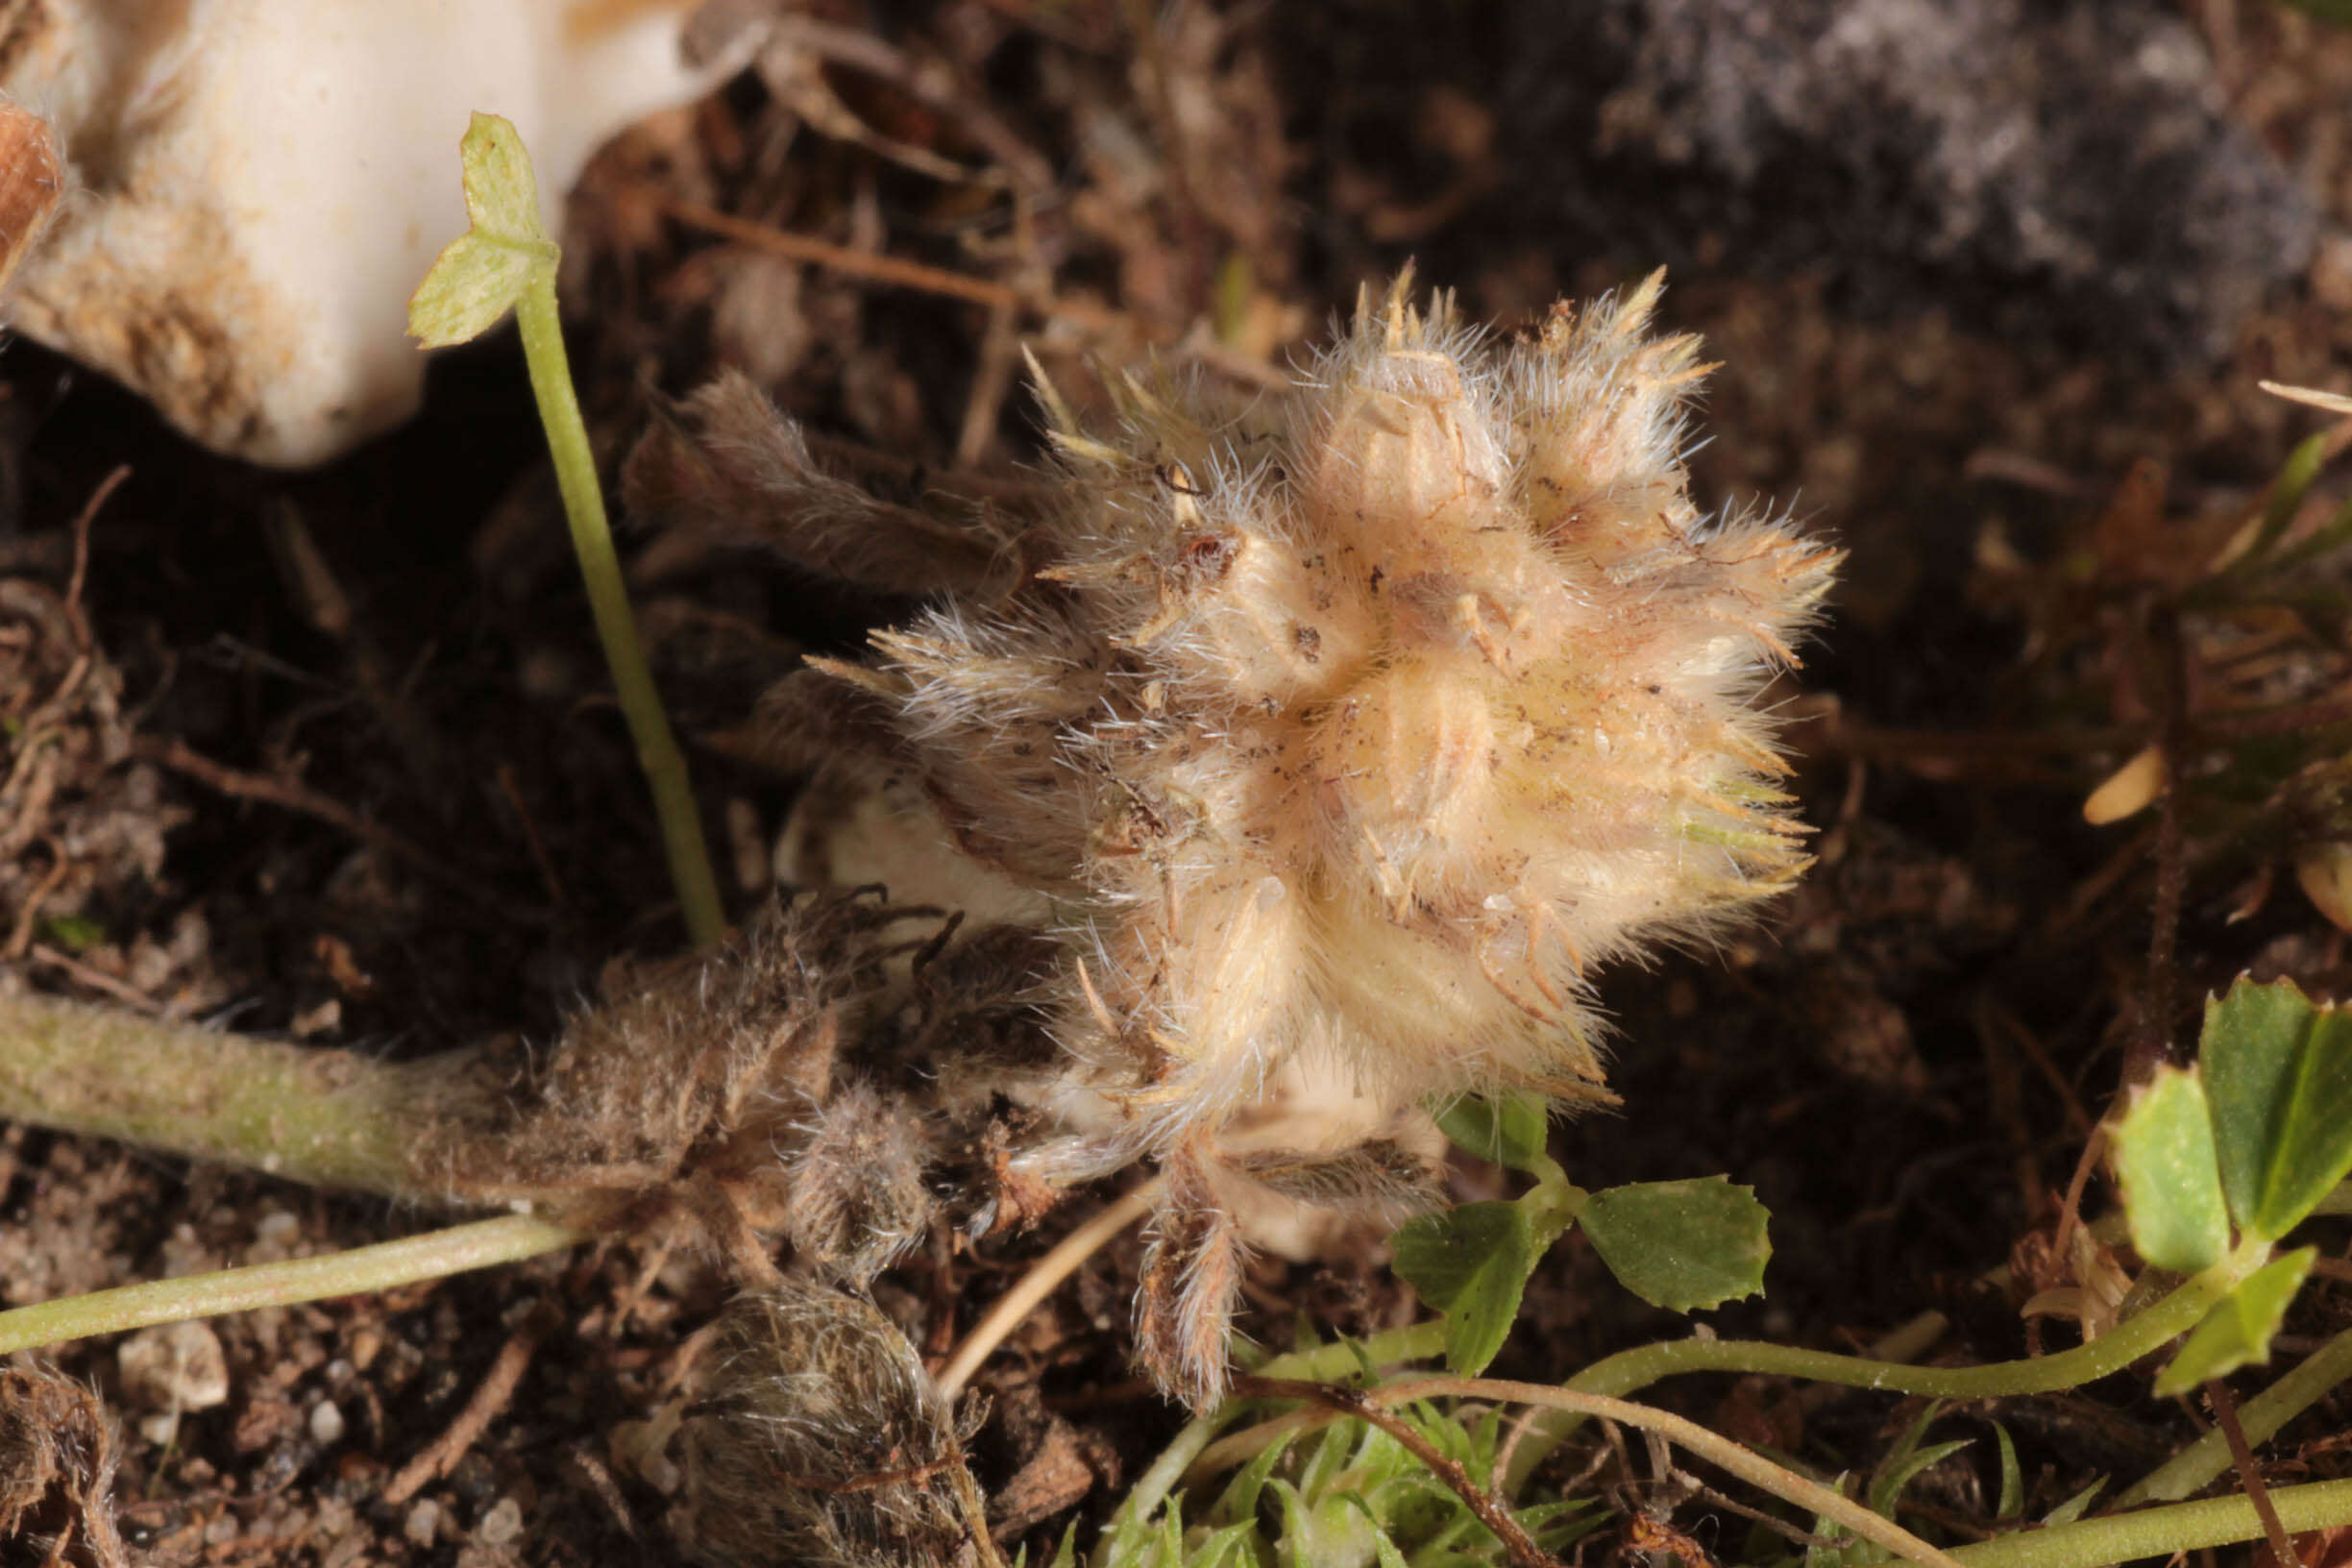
{"x": 506, "y": 261}
{"x": 341, "y": 1120}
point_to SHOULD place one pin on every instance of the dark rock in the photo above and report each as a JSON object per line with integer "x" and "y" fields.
{"x": 2067, "y": 169}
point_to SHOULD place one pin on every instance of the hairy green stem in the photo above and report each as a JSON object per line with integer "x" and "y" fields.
{"x": 2161, "y": 1532}
{"x": 2196, "y": 1466}
{"x": 584, "y": 499}
{"x": 324, "y": 1118}
{"x": 481, "y": 1245}
{"x": 2111, "y": 1352}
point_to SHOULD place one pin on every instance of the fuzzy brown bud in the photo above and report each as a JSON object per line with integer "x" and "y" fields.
{"x": 820, "y": 1440}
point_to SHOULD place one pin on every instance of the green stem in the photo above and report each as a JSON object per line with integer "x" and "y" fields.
{"x": 329, "y": 1118}
{"x": 2112, "y": 1352}
{"x": 2202, "y": 1462}
{"x": 481, "y": 1245}
{"x": 584, "y": 499}
{"x": 2161, "y": 1532}
{"x": 2089, "y": 1543}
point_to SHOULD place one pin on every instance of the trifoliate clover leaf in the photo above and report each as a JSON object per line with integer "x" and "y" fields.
{"x": 1471, "y": 1264}
{"x": 480, "y": 274}
{"x": 1682, "y": 1245}
{"x": 2278, "y": 1076}
{"x": 2237, "y": 1332}
{"x": 2164, "y": 1156}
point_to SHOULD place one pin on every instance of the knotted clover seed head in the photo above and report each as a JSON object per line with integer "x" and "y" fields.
{"x": 1347, "y": 735}
{"x": 1372, "y": 722}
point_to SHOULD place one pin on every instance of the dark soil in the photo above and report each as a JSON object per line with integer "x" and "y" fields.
{"x": 1951, "y": 365}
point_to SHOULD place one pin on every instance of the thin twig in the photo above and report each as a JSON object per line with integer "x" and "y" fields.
{"x": 855, "y": 263}
{"x": 438, "y": 1457}
{"x": 1522, "y": 1547}
{"x": 1719, "y": 1451}
{"x": 291, "y": 796}
{"x": 97, "y": 979}
{"x": 2153, "y": 1043}
{"x": 21, "y": 936}
{"x": 548, "y": 878}
{"x": 1034, "y": 1287}
{"x": 899, "y": 273}
{"x": 2296, "y": 718}
{"x": 2225, "y": 1417}
{"x": 2191, "y": 1470}
{"x": 2070, "y": 1212}
{"x": 874, "y": 56}
{"x": 75, "y": 583}
{"x": 975, "y": 1511}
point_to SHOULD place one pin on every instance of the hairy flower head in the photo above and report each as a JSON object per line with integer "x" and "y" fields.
{"x": 1348, "y": 736}
{"x": 1369, "y": 723}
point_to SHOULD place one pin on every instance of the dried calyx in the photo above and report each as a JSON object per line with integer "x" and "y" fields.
{"x": 57, "y": 1469}
{"x": 784, "y": 1085}
{"x": 820, "y": 1440}
{"x": 1345, "y": 736}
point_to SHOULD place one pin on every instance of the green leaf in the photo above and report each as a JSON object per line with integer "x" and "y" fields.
{"x": 2012, "y": 1501}
{"x": 1471, "y": 1264}
{"x": 2293, "y": 482}
{"x": 478, "y": 276}
{"x": 1906, "y": 1459}
{"x": 1231, "y": 1544}
{"x": 75, "y": 933}
{"x": 1682, "y": 1245}
{"x": 2237, "y": 1333}
{"x": 2075, "y": 1507}
{"x": 1507, "y": 1129}
{"x": 501, "y": 194}
{"x": 471, "y": 287}
{"x": 2278, "y": 1075}
{"x": 1295, "y": 1520}
{"x": 2164, "y": 1157}
{"x": 1239, "y": 1500}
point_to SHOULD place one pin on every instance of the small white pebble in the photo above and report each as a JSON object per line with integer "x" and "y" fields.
{"x": 173, "y": 1367}
{"x": 422, "y": 1521}
{"x": 326, "y": 1423}
{"x": 279, "y": 1226}
{"x": 503, "y": 1523}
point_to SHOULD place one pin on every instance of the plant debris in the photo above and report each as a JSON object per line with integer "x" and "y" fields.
{"x": 356, "y": 780}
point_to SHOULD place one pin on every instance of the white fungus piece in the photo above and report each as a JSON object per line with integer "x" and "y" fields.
{"x": 262, "y": 185}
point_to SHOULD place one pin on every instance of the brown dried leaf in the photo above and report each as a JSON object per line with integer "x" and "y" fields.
{"x": 1381, "y": 1178}
{"x": 1191, "y": 1273}
{"x": 738, "y": 471}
